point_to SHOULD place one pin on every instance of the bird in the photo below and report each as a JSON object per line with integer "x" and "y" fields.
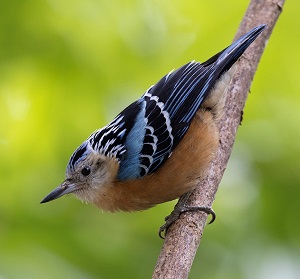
{"x": 159, "y": 147}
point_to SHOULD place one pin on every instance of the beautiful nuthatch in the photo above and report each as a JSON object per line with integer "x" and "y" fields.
{"x": 159, "y": 147}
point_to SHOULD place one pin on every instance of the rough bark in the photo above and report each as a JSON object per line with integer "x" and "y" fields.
{"x": 183, "y": 238}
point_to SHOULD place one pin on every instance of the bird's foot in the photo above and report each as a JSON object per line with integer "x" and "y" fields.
{"x": 181, "y": 207}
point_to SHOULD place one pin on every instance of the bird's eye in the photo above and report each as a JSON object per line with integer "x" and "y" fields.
{"x": 86, "y": 171}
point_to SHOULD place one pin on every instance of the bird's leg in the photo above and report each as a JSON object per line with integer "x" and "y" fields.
{"x": 181, "y": 207}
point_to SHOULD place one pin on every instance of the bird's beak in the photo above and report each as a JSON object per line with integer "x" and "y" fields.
{"x": 65, "y": 188}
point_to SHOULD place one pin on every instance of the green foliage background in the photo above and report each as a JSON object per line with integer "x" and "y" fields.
{"x": 68, "y": 67}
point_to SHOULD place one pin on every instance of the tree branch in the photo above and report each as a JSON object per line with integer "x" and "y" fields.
{"x": 183, "y": 237}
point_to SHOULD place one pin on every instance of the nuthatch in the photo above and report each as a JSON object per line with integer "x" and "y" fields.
{"x": 159, "y": 147}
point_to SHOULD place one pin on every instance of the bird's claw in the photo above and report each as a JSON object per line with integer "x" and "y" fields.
{"x": 170, "y": 219}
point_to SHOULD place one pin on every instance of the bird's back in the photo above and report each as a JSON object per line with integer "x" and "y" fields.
{"x": 143, "y": 136}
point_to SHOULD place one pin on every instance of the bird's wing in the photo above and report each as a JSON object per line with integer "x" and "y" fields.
{"x": 157, "y": 122}
{"x": 143, "y": 135}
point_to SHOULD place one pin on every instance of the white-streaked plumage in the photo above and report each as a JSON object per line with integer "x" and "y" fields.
{"x": 160, "y": 146}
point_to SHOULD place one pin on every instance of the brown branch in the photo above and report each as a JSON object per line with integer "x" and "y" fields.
{"x": 183, "y": 238}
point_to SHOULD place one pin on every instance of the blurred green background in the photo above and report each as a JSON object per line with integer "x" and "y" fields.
{"x": 68, "y": 67}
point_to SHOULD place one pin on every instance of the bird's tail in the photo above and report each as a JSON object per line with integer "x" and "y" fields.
{"x": 193, "y": 82}
{"x": 221, "y": 65}
{"x": 228, "y": 56}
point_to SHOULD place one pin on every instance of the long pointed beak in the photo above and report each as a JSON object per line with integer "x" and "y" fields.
{"x": 65, "y": 188}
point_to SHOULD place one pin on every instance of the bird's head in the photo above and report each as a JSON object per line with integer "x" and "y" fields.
{"x": 86, "y": 173}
